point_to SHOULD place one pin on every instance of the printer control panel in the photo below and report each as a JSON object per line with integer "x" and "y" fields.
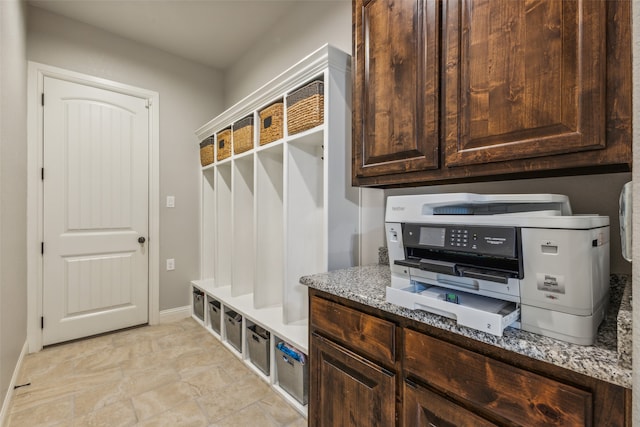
{"x": 460, "y": 238}
{"x": 482, "y": 240}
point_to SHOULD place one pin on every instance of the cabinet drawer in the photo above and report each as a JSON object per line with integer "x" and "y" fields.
{"x": 425, "y": 408}
{"x": 520, "y": 396}
{"x": 370, "y": 335}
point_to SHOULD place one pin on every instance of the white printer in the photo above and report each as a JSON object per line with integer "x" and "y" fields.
{"x": 492, "y": 261}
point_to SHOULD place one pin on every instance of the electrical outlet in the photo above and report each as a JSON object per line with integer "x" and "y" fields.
{"x": 171, "y": 201}
{"x": 171, "y": 264}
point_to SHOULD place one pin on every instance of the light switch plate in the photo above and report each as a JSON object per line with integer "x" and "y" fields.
{"x": 171, "y": 264}
{"x": 171, "y": 201}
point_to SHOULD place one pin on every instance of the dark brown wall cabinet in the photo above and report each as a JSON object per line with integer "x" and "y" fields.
{"x": 466, "y": 90}
{"x": 371, "y": 368}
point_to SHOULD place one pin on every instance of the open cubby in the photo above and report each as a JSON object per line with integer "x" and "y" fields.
{"x": 223, "y": 231}
{"x": 304, "y": 224}
{"x": 242, "y": 225}
{"x": 269, "y": 261}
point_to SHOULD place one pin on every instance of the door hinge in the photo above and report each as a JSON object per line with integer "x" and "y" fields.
{"x": 41, "y": 322}
{"x": 148, "y": 103}
{"x": 42, "y": 99}
{"x": 42, "y": 248}
{"x": 42, "y": 174}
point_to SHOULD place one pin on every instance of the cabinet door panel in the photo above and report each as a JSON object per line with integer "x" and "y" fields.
{"x": 532, "y": 82}
{"x": 395, "y": 112}
{"x": 423, "y": 408}
{"x": 347, "y": 389}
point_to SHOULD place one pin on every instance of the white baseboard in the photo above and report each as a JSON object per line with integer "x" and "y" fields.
{"x": 7, "y": 398}
{"x": 174, "y": 314}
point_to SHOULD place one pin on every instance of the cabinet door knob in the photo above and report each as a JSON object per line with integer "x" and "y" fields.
{"x": 141, "y": 239}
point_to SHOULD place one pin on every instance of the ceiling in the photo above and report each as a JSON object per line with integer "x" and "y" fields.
{"x": 212, "y": 32}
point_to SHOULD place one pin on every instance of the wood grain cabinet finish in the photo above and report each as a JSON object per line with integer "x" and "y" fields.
{"x": 347, "y": 389}
{"x": 424, "y": 408}
{"x": 513, "y": 394}
{"x": 467, "y": 90}
{"x": 370, "y": 335}
{"x": 396, "y": 86}
{"x": 523, "y": 79}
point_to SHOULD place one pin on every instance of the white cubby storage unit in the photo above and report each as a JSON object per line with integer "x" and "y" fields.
{"x": 280, "y": 211}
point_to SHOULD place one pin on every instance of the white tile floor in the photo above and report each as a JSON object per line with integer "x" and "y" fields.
{"x": 174, "y": 374}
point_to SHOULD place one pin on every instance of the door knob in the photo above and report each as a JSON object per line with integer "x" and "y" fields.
{"x": 141, "y": 239}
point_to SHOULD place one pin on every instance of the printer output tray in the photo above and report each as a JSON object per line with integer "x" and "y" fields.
{"x": 478, "y": 312}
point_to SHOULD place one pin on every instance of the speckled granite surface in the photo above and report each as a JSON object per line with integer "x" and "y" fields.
{"x": 624, "y": 328}
{"x": 383, "y": 255}
{"x": 367, "y": 285}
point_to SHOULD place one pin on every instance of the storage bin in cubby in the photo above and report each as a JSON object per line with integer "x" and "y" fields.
{"x": 224, "y": 143}
{"x": 233, "y": 327}
{"x": 198, "y": 303}
{"x": 271, "y": 123}
{"x": 214, "y": 315}
{"x": 293, "y": 372}
{"x": 305, "y": 107}
{"x": 258, "y": 340}
{"x": 243, "y": 135}
{"x": 206, "y": 151}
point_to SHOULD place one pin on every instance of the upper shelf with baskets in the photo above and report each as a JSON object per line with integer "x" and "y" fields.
{"x": 303, "y": 108}
{"x": 292, "y": 103}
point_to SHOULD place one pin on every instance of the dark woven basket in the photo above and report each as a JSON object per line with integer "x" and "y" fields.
{"x": 224, "y": 144}
{"x": 243, "y": 135}
{"x": 305, "y": 107}
{"x": 207, "y": 148}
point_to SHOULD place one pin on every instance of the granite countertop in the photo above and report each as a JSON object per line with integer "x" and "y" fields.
{"x": 624, "y": 328}
{"x": 367, "y": 285}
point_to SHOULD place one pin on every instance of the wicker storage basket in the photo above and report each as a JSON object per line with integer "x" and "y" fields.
{"x": 224, "y": 143}
{"x": 243, "y": 135}
{"x": 206, "y": 151}
{"x": 305, "y": 107}
{"x": 271, "y": 123}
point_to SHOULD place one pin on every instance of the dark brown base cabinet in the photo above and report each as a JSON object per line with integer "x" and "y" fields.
{"x": 467, "y": 90}
{"x": 372, "y": 368}
{"x": 353, "y": 367}
{"x": 366, "y": 394}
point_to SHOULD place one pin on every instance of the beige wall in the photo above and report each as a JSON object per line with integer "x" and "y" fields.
{"x": 190, "y": 95}
{"x": 308, "y": 26}
{"x": 13, "y": 188}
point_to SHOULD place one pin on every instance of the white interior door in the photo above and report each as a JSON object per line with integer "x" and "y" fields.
{"x": 95, "y": 259}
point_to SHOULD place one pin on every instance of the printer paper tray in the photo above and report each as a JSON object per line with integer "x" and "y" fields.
{"x": 485, "y": 314}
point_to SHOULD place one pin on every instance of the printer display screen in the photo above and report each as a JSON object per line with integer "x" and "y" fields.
{"x": 432, "y": 236}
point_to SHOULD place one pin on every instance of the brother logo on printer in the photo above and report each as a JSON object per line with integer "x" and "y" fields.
{"x": 495, "y": 240}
